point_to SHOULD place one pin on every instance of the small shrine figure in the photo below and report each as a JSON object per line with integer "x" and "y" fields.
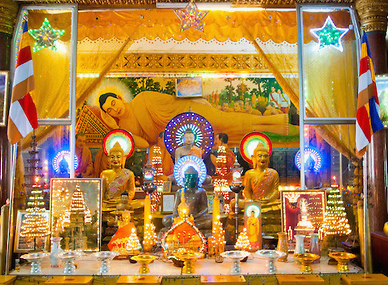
{"x": 117, "y": 179}
{"x": 253, "y": 226}
{"x": 196, "y": 200}
{"x": 120, "y": 239}
{"x": 123, "y": 205}
{"x": 188, "y": 148}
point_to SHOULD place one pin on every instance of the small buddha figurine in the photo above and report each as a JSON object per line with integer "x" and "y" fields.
{"x": 188, "y": 147}
{"x": 119, "y": 240}
{"x": 117, "y": 179}
{"x": 123, "y": 205}
{"x": 195, "y": 200}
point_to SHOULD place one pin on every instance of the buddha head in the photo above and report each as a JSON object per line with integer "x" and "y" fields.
{"x": 112, "y": 104}
{"x": 310, "y": 164}
{"x": 116, "y": 156}
{"x": 126, "y": 216}
{"x": 124, "y": 197}
{"x": 260, "y": 156}
{"x": 191, "y": 177}
{"x": 188, "y": 137}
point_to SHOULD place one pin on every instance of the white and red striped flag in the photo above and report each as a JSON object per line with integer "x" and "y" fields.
{"x": 22, "y": 112}
{"x": 368, "y": 108}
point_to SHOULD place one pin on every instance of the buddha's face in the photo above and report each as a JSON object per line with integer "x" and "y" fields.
{"x": 124, "y": 199}
{"x": 116, "y": 158}
{"x": 80, "y": 141}
{"x": 191, "y": 180}
{"x": 189, "y": 139}
{"x": 114, "y": 107}
{"x": 262, "y": 159}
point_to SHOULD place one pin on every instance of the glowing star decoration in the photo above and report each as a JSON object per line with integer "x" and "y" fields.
{"x": 191, "y": 17}
{"x": 329, "y": 35}
{"x": 45, "y": 36}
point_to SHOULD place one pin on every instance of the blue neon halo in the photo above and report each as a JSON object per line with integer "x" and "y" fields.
{"x": 63, "y": 154}
{"x": 184, "y": 163}
{"x": 309, "y": 152}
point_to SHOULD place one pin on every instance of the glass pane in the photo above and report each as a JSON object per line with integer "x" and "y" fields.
{"x": 49, "y": 38}
{"x": 330, "y": 63}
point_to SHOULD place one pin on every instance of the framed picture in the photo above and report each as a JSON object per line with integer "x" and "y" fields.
{"x": 305, "y": 205}
{"x": 3, "y": 97}
{"x": 167, "y": 203}
{"x": 76, "y": 212}
{"x": 167, "y": 186}
{"x": 252, "y": 222}
{"x": 189, "y": 87}
{"x": 210, "y": 199}
{"x": 382, "y": 91}
{"x": 25, "y": 244}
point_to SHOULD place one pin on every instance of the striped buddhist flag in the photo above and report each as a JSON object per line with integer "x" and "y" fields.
{"x": 22, "y": 112}
{"x": 368, "y": 109}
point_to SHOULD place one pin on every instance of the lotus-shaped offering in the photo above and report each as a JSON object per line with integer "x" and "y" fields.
{"x": 35, "y": 259}
{"x": 144, "y": 259}
{"x": 306, "y": 259}
{"x": 271, "y": 256}
{"x": 236, "y": 256}
{"x": 105, "y": 257}
{"x": 343, "y": 258}
{"x": 188, "y": 257}
{"x": 68, "y": 257}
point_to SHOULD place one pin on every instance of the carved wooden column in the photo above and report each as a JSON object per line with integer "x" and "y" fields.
{"x": 373, "y": 15}
{"x": 8, "y": 12}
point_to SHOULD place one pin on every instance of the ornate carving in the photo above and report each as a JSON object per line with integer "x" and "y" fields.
{"x": 8, "y": 11}
{"x": 373, "y": 14}
{"x": 136, "y": 62}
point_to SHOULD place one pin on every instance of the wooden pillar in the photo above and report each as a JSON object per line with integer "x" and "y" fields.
{"x": 8, "y": 14}
{"x": 373, "y": 16}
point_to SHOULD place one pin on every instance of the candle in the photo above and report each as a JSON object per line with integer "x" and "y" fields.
{"x": 216, "y": 210}
{"x": 147, "y": 210}
{"x": 290, "y": 233}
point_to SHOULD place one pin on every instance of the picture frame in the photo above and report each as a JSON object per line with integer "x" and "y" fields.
{"x": 252, "y": 222}
{"x": 189, "y": 87}
{"x": 167, "y": 203}
{"x": 81, "y": 227}
{"x": 314, "y": 200}
{"x": 23, "y": 244}
{"x": 210, "y": 199}
{"x": 4, "y": 81}
{"x": 382, "y": 91}
{"x": 167, "y": 186}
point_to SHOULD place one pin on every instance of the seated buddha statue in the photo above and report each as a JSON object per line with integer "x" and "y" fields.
{"x": 196, "y": 200}
{"x": 117, "y": 179}
{"x": 188, "y": 147}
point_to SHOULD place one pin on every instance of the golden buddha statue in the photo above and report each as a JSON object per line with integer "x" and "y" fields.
{"x": 120, "y": 239}
{"x": 117, "y": 179}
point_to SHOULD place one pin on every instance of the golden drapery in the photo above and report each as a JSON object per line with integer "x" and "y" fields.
{"x": 53, "y": 68}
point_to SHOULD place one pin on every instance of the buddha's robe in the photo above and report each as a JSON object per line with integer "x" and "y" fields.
{"x": 261, "y": 185}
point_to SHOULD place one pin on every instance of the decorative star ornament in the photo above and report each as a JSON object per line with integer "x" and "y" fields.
{"x": 329, "y": 35}
{"x": 45, "y": 36}
{"x": 191, "y": 17}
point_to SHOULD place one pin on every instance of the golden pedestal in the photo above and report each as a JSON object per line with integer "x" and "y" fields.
{"x": 74, "y": 280}
{"x": 364, "y": 279}
{"x": 343, "y": 259}
{"x": 146, "y": 280}
{"x": 300, "y": 279}
{"x": 144, "y": 259}
{"x": 222, "y": 279}
{"x": 7, "y": 279}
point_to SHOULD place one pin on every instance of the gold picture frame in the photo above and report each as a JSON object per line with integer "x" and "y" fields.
{"x": 24, "y": 244}
{"x": 167, "y": 203}
{"x": 189, "y": 87}
{"x": 167, "y": 186}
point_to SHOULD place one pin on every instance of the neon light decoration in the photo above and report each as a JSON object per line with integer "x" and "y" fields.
{"x": 185, "y": 162}
{"x": 250, "y": 142}
{"x": 202, "y": 129}
{"x": 309, "y": 152}
{"x": 191, "y": 17}
{"x": 123, "y": 137}
{"x": 63, "y": 154}
{"x": 329, "y": 35}
{"x": 45, "y": 36}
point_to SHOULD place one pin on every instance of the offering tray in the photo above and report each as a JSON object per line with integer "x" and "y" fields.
{"x": 105, "y": 257}
{"x": 68, "y": 257}
{"x": 144, "y": 259}
{"x": 306, "y": 259}
{"x": 236, "y": 256}
{"x": 188, "y": 257}
{"x": 271, "y": 256}
{"x": 343, "y": 258}
{"x": 35, "y": 259}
